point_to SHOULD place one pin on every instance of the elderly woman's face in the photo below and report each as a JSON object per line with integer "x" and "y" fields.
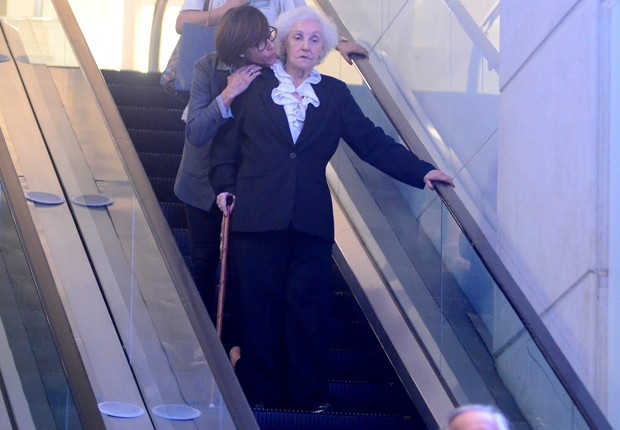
{"x": 304, "y": 45}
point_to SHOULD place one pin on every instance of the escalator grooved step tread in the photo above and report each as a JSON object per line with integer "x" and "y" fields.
{"x": 369, "y": 397}
{"x": 131, "y": 77}
{"x": 160, "y": 165}
{"x": 360, "y": 366}
{"x": 153, "y": 118}
{"x": 287, "y": 420}
{"x": 143, "y": 96}
{"x": 157, "y": 141}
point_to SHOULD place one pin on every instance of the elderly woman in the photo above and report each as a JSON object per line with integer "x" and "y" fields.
{"x": 272, "y": 158}
{"x": 244, "y": 43}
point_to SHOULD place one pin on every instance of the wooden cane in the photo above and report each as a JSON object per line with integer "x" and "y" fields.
{"x": 221, "y": 294}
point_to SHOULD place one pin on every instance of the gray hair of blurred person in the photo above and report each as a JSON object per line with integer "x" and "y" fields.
{"x": 500, "y": 420}
{"x": 288, "y": 19}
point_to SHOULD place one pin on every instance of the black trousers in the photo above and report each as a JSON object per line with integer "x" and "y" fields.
{"x": 204, "y": 232}
{"x": 282, "y": 288}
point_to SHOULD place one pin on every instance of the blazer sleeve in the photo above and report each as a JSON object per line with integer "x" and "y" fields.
{"x": 204, "y": 117}
{"x": 225, "y": 155}
{"x": 375, "y": 147}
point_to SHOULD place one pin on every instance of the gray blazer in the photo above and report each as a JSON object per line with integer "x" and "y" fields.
{"x": 204, "y": 119}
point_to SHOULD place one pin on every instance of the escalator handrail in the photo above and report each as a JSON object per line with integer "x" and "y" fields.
{"x": 532, "y": 322}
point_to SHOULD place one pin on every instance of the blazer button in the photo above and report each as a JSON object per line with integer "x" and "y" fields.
{"x": 293, "y": 155}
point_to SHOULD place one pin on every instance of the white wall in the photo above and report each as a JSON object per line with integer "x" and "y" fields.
{"x": 553, "y": 175}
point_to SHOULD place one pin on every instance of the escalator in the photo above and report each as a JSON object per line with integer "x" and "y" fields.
{"x": 364, "y": 388}
{"x": 448, "y": 328}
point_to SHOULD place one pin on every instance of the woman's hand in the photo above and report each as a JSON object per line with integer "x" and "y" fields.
{"x": 239, "y": 81}
{"x": 226, "y": 203}
{"x": 347, "y": 48}
{"x": 437, "y": 176}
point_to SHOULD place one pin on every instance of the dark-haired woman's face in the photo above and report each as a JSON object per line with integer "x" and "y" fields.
{"x": 264, "y": 53}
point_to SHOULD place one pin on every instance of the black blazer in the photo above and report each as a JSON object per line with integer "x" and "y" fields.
{"x": 280, "y": 184}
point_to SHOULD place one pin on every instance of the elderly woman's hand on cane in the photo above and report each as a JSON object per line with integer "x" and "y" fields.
{"x": 226, "y": 203}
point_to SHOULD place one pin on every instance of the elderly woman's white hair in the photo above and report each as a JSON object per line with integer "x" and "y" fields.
{"x": 286, "y": 20}
{"x": 491, "y": 411}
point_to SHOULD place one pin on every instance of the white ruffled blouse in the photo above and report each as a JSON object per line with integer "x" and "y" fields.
{"x": 283, "y": 95}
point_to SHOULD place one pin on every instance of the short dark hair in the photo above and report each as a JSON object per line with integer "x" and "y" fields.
{"x": 241, "y": 28}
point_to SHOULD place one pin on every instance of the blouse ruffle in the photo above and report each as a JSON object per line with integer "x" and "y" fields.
{"x": 283, "y": 95}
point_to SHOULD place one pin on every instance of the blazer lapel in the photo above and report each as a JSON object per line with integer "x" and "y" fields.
{"x": 275, "y": 112}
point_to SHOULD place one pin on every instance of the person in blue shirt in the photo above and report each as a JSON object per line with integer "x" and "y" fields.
{"x": 244, "y": 45}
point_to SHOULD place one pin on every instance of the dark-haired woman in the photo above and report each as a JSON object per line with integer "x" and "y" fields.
{"x": 244, "y": 44}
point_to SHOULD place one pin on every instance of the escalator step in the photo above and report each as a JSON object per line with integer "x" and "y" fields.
{"x": 152, "y": 118}
{"x": 367, "y": 397}
{"x": 345, "y": 305}
{"x": 175, "y": 215}
{"x": 143, "y": 95}
{"x": 160, "y": 165}
{"x": 359, "y": 366}
{"x": 284, "y": 420}
{"x": 164, "y": 189}
{"x": 351, "y": 334}
{"x": 160, "y": 141}
{"x": 131, "y": 77}
{"x": 182, "y": 239}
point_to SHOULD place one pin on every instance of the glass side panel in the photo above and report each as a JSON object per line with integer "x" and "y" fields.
{"x": 446, "y": 84}
{"x": 159, "y": 341}
{"x": 447, "y": 90}
{"x": 31, "y": 368}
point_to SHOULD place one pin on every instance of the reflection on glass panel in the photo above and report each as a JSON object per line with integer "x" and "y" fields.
{"x": 26, "y": 342}
{"x": 28, "y": 8}
{"x": 43, "y": 42}
{"x": 439, "y": 65}
{"x": 470, "y": 295}
{"x": 473, "y": 336}
{"x": 160, "y": 344}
